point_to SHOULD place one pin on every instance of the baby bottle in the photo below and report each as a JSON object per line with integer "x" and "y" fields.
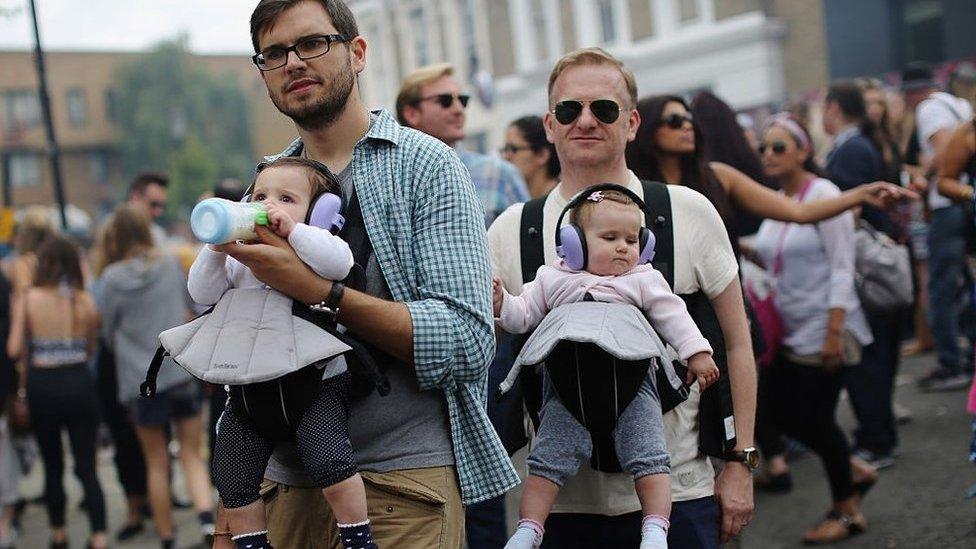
{"x": 218, "y": 221}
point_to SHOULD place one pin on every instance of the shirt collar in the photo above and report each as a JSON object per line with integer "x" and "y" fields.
{"x": 383, "y": 127}
{"x": 848, "y": 132}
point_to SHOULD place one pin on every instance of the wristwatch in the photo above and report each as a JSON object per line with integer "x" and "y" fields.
{"x": 748, "y": 456}
{"x": 330, "y": 305}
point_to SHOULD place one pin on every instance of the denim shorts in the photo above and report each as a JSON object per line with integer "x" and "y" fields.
{"x": 176, "y": 403}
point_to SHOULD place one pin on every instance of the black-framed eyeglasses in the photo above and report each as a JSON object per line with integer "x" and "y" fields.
{"x": 305, "y": 48}
{"x": 508, "y": 148}
{"x": 604, "y": 110}
{"x": 778, "y": 147}
{"x": 445, "y": 100}
{"x": 677, "y": 120}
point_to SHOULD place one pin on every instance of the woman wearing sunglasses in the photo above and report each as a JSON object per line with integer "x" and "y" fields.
{"x": 824, "y": 327}
{"x": 670, "y": 147}
{"x": 528, "y": 149}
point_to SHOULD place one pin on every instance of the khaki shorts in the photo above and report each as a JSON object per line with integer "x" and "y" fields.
{"x": 408, "y": 509}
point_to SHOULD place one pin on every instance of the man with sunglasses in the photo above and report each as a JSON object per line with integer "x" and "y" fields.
{"x": 591, "y": 118}
{"x": 427, "y": 448}
{"x": 430, "y": 100}
{"x": 147, "y": 193}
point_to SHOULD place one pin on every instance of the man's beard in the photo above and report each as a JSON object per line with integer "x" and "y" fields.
{"x": 322, "y": 112}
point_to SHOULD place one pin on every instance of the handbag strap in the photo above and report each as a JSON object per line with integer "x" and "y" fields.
{"x": 778, "y": 261}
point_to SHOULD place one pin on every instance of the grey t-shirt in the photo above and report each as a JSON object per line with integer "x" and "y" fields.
{"x": 407, "y": 429}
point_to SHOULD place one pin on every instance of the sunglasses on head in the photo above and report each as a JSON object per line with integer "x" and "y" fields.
{"x": 604, "y": 110}
{"x": 676, "y": 120}
{"x": 778, "y": 147}
{"x": 445, "y": 100}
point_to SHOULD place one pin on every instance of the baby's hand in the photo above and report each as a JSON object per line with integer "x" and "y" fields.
{"x": 279, "y": 221}
{"x": 702, "y": 366}
{"x": 497, "y": 295}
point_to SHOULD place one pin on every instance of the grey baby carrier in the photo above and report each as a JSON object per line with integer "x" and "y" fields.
{"x": 597, "y": 355}
{"x": 269, "y": 349}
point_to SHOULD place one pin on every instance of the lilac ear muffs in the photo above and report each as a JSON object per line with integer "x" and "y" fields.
{"x": 571, "y": 242}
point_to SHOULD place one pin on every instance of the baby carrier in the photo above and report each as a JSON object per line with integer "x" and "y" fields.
{"x": 597, "y": 360}
{"x": 271, "y": 350}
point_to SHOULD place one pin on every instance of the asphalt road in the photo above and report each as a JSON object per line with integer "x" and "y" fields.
{"x": 917, "y": 503}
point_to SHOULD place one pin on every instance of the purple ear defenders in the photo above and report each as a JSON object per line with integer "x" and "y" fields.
{"x": 571, "y": 242}
{"x": 325, "y": 209}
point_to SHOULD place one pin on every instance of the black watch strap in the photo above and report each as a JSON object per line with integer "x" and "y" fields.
{"x": 330, "y": 305}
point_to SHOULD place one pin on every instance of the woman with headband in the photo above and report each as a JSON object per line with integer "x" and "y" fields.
{"x": 823, "y": 323}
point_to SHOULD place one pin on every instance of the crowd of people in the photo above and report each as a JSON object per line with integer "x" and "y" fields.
{"x": 607, "y": 203}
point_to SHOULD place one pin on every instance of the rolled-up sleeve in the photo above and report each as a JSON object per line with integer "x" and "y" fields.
{"x": 838, "y": 237}
{"x": 453, "y": 328}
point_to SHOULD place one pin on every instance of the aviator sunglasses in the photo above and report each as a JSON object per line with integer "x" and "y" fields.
{"x": 445, "y": 100}
{"x": 604, "y": 110}
{"x": 778, "y": 147}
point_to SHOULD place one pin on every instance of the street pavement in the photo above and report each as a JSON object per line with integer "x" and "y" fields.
{"x": 918, "y": 503}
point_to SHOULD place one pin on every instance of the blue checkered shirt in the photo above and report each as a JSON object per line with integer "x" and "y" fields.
{"x": 498, "y": 183}
{"x": 426, "y": 227}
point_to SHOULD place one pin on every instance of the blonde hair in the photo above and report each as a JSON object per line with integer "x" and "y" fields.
{"x": 594, "y": 56}
{"x": 126, "y": 234}
{"x": 414, "y": 82}
{"x": 34, "y": 227}
{"x": 581, "y": 213}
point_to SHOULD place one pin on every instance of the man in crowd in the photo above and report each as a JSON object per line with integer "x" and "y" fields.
{"x": 597, "y": 509}
{"x": 856, "y": 160}
{"x": 430, "y": 100}
{"x": 427, "y": 449}
{"x": 147, "y": 193}
{"x": 937, "y": 114}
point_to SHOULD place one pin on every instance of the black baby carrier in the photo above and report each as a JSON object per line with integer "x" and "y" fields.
{"x": 595, "y": 380}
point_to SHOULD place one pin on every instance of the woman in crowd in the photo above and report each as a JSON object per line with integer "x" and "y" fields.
{"x": 32, "y": 230}
{"x": 883, "y": 135}
{"x": 824, "y": 325}
{"x": 526, "y": 146}
{"x": 141, "y": 293}
{"x": 670, "y": 147}
{"x": 54, "y": 325}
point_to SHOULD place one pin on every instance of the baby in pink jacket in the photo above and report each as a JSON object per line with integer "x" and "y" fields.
{"x": 611, "y": 223}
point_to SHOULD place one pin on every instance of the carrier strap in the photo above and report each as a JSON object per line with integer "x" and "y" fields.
{"x": 148, "y": 387}
{"x": 531, "y": 247}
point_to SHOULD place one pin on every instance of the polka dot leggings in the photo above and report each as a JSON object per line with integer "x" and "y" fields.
{"x": 241, "y": 454}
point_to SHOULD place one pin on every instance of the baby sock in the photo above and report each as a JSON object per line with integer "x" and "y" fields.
{"x": 357, "y": 536}
{"x": 254, "y": 540}
{"x": 654, "y": 532}
{"x": 528, "y": 535}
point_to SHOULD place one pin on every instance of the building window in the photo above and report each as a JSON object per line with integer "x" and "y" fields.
{"x": 688, "y": 10}
{"x": 22, "y": 110}
{"x": 608, "y": 21}
{"x": 25, "y": 169}
{"x": 539, "y": 25}
{"x": 77, "y": 112}
{"x": 98, "y": 166}
{"x": 469, "y": 36}
{"x": 421, "y": 36}
{"x": 924, "y": 31}
{"x": 112, "y": 105}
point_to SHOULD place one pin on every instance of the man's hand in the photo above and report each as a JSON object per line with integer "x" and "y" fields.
{"x": 733, "y": 492}
{"x": 274, "y": 262}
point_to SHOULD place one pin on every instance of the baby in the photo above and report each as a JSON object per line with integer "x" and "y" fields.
{"x": 287, "y": 188}
{"x": 611, "y": 223}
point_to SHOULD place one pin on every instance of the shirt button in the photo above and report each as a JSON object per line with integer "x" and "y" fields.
{"x": 389, "y": 509}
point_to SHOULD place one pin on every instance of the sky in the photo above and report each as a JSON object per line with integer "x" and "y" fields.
{"x": 213, "y": 26}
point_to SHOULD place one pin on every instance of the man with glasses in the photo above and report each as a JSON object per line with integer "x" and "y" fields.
{"x": 591, "y": 118}
{"x": 430, "y": 100}
{"x": 427, "y": 448}
{"x": 147, "y": 193}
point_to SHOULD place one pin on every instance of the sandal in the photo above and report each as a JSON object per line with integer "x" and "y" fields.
{"x": 863, "y": 487}
{"x": 776, "y": 484}
{"x": 835, "y": 527}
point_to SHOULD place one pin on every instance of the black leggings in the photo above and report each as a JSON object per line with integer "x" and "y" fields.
{"x": 129, "y": 463}
{"x": 241, "y": 454}
{"x": 60, "y": 398}
{"x": 801, "y": 402}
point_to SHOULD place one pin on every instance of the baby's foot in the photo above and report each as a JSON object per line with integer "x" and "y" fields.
{"x": 654, "y": 532}
{"x": 528, "y": 535}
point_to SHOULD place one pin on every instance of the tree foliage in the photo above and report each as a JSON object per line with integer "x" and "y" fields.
{"x": 181, "y": 118}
